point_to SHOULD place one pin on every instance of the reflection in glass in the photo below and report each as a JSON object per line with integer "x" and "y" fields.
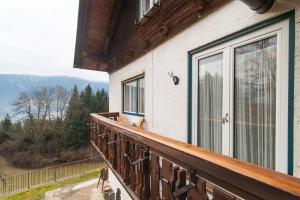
{"x": 141, "y": 99}
{"x": 210, "y": 100}
{"x": 130, "y": 96}
{"x": 255, "y": 102}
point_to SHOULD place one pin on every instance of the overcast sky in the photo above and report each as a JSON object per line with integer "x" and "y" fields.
{"x": 38, "y": 37}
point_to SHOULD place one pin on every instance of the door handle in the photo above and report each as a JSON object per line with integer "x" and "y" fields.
{"x": 225, "y": 119}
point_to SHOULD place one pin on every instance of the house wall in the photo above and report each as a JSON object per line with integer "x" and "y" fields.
{"x": 166, "y": 109}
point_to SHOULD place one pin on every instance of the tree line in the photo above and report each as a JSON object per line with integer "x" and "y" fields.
{"x": 51, "y": 121}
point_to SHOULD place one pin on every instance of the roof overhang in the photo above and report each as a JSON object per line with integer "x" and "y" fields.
{"x": 97, "y": 20}
{"x": 93, "y": 27}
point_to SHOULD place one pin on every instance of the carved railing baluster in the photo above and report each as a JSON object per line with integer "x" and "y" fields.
{"x": 92, "y": 134}
{"x": 105, "y": 141}
{"x": 155, "y": 174}
{"x": 137, "y": 172}
{"x": 180, "y": 183}
{"x": 146, "y": 175}
{"x": 110, "y": 149}
{"x": 126, "y": 164}
{"x": 166, "y": 171}
{"x": 173, "y": 177}
{"x": 109, "y": 139}
{"x": 114, "y": 153}
{"x": 94, "y": 129}
{"x": 199, "y": 191}
{"x": 132, "y": 167}
{"x": 118, "y": 144}
{"x": 97, "y": 133}
{"x": 139, "y": 175}
{"x": 100, "y": 137}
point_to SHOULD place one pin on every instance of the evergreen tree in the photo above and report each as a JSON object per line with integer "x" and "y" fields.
{"x": 76, "y": 122}
{"x": 18, "y": 128}
{"x": 101, "y": 101}
{"x": 6, "y": 126}
{"x": 87, "y": 98}
{"x": 6, "y": 123}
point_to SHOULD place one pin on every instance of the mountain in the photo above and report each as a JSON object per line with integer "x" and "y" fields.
{"x": 12, "y": 85}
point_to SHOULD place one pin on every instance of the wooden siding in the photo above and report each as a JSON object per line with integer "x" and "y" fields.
{"x": 131, "y": 41}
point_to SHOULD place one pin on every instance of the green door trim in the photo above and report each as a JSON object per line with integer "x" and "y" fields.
{"x": 291, "y": 17}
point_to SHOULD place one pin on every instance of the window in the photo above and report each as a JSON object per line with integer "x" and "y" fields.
{"x": 134, "y": 96}
{"x": 146, "y": 9}
{"x": 240, "y": 97}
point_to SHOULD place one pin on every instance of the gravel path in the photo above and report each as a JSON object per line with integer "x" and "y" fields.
{"x": 83, "y": 191}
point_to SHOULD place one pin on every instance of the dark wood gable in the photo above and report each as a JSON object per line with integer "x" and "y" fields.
{"x": 109, "y": 38}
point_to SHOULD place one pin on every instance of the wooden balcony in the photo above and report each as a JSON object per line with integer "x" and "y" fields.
{"x": 151, "y": 166}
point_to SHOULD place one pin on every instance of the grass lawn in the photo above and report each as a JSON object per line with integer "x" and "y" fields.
{"x": 39, "y": 192}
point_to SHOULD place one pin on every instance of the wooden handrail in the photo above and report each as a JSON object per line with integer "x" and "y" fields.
{"x": 237, "y": 177}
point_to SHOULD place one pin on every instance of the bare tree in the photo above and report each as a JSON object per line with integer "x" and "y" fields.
{"x": 61, "y": 101}
{"x": 36, "y": 107}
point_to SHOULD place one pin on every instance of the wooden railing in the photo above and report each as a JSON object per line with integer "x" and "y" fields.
{"x": 151, "y": 166}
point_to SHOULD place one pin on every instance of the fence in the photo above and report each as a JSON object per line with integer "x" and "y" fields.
{"x": 20, "y": 182}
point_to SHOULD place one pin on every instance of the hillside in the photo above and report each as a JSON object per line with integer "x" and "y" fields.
{"x": 12, "y": 85}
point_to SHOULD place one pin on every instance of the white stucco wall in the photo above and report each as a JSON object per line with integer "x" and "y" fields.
{"x": 166, "y": 104}
{"x": 114, "y": 184}
{"x": 297, "y": 95}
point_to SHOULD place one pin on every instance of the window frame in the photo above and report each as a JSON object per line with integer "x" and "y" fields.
{"x": 281, "y": 30}
{"x": 130, "y": 80}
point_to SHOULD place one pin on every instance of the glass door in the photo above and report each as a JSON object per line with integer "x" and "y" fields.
{"x": 212, "y": 116}
{"x": 240, "y": 98}
{"x": 255, "y": 102}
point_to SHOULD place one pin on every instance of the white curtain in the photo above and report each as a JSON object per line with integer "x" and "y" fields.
{"x": 255, "y": 102}
{"x": 141, "y": 94}
{"x": 210, "y": 100}
{"x": 130, "y": 97}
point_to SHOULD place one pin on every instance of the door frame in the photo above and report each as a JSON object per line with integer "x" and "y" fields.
{"x": 218, "y": 43}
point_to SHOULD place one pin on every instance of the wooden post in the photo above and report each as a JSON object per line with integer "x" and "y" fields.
{"x": 101, "y": 128}
{"x": 173, "y": 177}
{"x": 181, "y": 182}
{"x": 166, "y": 171}
{"x": 126, "y": 164}
{"x": 198, "y": 192}
{"x": 145, "y": 168}
{"x": 139, "y": 176}
{"x": 154, "y": 195}
{"x": 118, "y": 146}
{"x": 132, "y": 167}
